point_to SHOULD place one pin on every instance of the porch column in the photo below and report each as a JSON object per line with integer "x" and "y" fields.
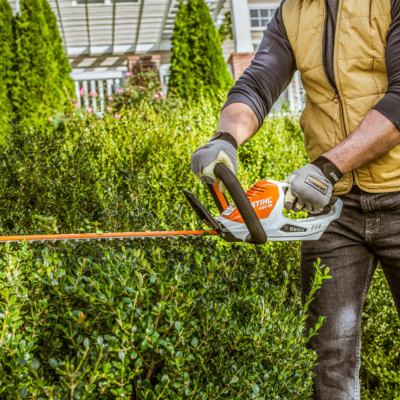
{"x": 241, "y": 26}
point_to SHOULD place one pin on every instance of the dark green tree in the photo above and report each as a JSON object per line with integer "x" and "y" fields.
{"x": 6, "y": 63}
{"x": 197, "y": 62}
{"x": 41, "y": 81}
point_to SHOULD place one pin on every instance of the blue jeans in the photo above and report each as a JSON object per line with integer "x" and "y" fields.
{"x": 368, "y": 231}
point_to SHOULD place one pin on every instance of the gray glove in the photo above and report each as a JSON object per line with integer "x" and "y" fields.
{"x": 222, "y": 148}
{"x": 311, "y": 187}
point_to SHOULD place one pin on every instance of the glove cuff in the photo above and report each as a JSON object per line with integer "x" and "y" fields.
{"x": 330, "y": 170}
{"x": 225, "y": 136}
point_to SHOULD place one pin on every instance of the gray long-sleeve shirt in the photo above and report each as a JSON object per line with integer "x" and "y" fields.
{"x": 274, "y": 64}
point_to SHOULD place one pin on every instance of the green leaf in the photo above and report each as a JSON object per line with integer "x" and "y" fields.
{"x": 35, "y": 364}
{"x": 186, "y": 378}
{"x": 138, "y": 363}
{"x": 106, "y": 367}
{"x": 256, "y": 389}
{"x": 150, "y": 395}
{"x": 178, "y": 326}
{"x": 23, "y": 392}
{"x": 22, "y": 362}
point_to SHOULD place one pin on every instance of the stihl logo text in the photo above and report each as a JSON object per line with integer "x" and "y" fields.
{"x": 263, "y": 203}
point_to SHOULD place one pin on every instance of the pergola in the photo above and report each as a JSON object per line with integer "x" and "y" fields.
{"x": 117, "y": 27}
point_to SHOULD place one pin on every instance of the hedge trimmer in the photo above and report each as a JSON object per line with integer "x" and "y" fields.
{"x": 255, "y": 216}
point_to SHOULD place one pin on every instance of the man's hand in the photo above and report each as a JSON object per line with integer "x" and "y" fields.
{"x": 311, "y": 187}
{"x": 222, "y": 148}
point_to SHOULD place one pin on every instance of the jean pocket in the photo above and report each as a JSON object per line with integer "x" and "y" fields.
{"x": 389, "y": 202}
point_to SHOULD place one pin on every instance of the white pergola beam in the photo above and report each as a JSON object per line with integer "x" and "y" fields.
{"x": 218, "y": 9}
{"x": 62, "y": 27}
{"x": 162, "y": 27}
{"x": 113, "y": 26}
{"x": 87, "y": 25}
{"x": 139, "y": 21}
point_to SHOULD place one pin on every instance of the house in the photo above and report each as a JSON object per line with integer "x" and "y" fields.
{"x": 105, "y": 38}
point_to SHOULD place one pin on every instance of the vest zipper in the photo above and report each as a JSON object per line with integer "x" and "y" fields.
{"x": 336, "y": 99}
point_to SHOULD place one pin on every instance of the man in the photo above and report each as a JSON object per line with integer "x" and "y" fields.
{"x": 348, "y": 54}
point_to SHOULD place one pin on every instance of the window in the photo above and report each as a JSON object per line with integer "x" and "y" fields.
{"x": 260, "y": 18}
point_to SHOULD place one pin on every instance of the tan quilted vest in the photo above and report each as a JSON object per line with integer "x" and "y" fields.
{"x": 361, "y": 79}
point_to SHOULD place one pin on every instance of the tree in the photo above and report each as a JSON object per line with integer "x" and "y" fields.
{"x": 62, "y": 78}
{"x": 197, "y": 61}
{"x": 41, "y": 80}
{"x": 6, "y": 63}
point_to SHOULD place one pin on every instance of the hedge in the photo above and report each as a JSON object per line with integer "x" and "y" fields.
{"x": 164, "y": 319}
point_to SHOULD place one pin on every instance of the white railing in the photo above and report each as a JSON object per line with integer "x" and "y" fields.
{"x": 296, "y": 94}
{"x": 94, "y": 93}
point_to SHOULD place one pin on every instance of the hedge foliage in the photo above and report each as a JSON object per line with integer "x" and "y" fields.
{"x": 41, "y": 82}
{"x": 6, "y": 62}
{"x": 197, "y": 63}
{"x": 163, "y": 319}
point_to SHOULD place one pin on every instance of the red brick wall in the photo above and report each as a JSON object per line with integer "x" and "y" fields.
{"x": 135, "y": 63}
{"x": 239, "y": 62}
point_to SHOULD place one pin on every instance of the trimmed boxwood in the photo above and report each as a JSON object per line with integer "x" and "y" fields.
{"x": 163, "y": 319}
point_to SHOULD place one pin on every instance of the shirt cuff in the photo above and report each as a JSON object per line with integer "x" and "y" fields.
{"x": 241, "y": 98}
{"x": 389, "y": 106}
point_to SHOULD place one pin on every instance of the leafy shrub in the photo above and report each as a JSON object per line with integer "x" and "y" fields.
{"x": 143, "y": 86}
{"x": 381, "y": 343}
{"x": 225, "y": 31}
{"x": 167, "y": 319}
{"x": 197, "y": 64}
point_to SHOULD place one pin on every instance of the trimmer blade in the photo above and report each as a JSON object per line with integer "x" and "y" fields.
{"x": 108, "y": 236}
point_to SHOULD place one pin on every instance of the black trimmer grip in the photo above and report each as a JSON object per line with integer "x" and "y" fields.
{"x": 242, "y": 203}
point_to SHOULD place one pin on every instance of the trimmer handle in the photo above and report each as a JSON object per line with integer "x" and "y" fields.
{"x": 327, "y": 208}
{"x": 257, "y": 234}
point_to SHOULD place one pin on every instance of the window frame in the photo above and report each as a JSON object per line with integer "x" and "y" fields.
{"x": 259, "y": 7}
